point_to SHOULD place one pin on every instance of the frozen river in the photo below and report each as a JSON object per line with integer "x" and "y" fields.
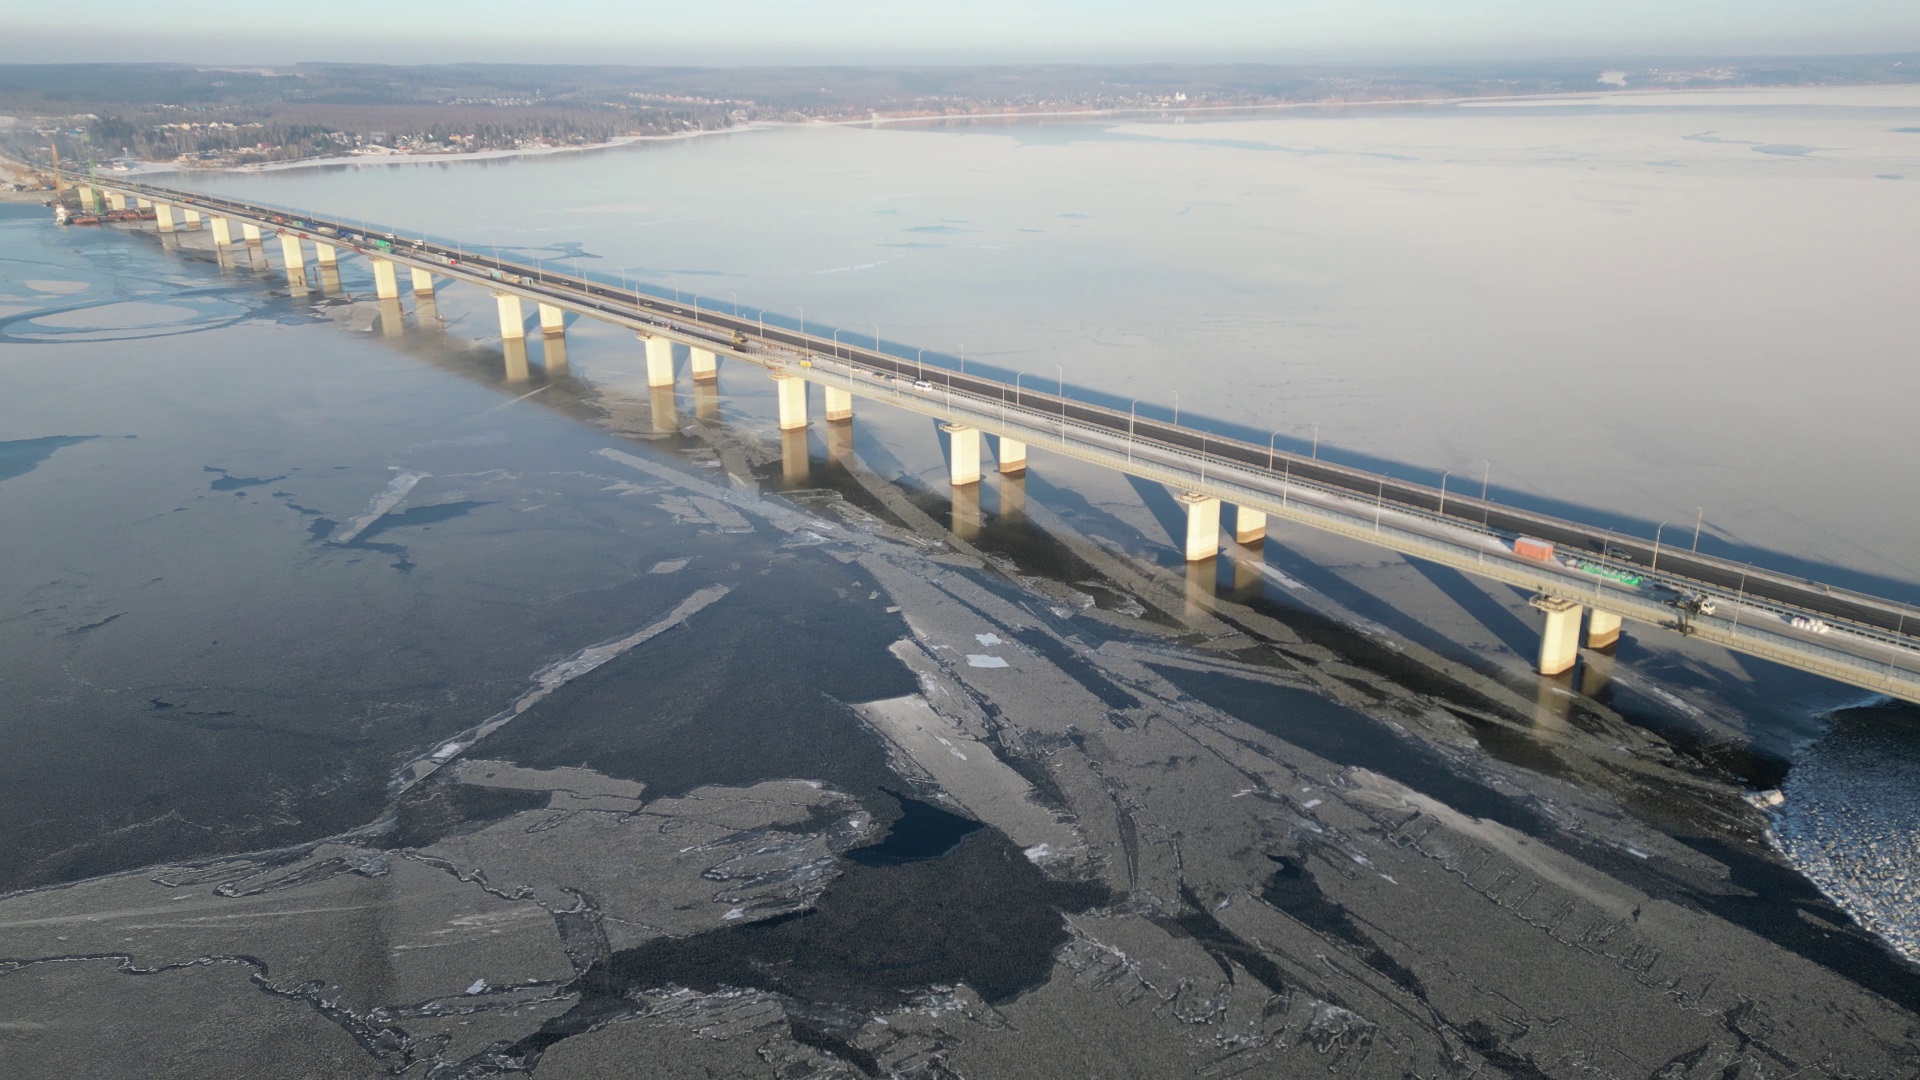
{"x": 531, "y": 721}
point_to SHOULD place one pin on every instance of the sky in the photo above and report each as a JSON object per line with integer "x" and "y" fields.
{"x": 726, "y": 32}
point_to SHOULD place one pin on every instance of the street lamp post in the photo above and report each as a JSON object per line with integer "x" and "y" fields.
{"x": 1176, "y": 408}
{"x": 1699, "y": 515}
{"x": 836, "y": 343}
{"x": 803, "y": 320}
{"x": 736, "y": 302}
{"x": 1486, "y": 476}
{"x": 1655, "y": 564}
{"x": 1270, "y": 441}
{"x": 1131, "y": 405}
{"x": 876, "y": 337}
{"x": 963, "y": 358}
{"x": 921, "y": 359}
{"x": 1316, "y": 442}
{"x": 1442, "y": 511}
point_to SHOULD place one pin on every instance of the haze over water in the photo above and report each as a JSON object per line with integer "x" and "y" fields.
{"x": 1631, "y": 305}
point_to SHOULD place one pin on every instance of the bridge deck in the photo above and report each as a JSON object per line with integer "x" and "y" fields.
{"x": 1869, "y": 645}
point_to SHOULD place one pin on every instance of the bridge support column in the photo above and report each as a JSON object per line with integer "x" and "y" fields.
{"x": 140, "y": 203}
{"x": 295, "y": 255}
{"x": 963, "y": 459}
{"x": 553, "y": 321}
{"x": 1203, "y": 525}
{"x": 839, "y": 403}
{"x": 1603, "y": 628}
{"x": 1013, "y": 457}
{"x": 1249, "y": 526}
{"x": 793, "y": 400}
{"x": 325, "y": 255}
{"x": 116, "y": 201}
{"x": 163, "y": 216}
{"x": 513, "y": 321}
{"x": 87, "y": 201}
{"x": 387, "y": 287}
{"x": 1560, "y": 638}
{"x": 705, "y": 367}
{"x": 422, "y": 282}
{"x": 193, "y": 218}
{"x": 250, "y": 233}
{"x": 222, "y": 233}
{"x": 660, "y": 366}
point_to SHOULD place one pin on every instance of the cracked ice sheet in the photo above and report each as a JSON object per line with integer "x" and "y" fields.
{"x": 397, "y": 933}
{"x": 171, "y": 1024}
{"x": 678, "y": 867}
{"x": 969, "y": 771}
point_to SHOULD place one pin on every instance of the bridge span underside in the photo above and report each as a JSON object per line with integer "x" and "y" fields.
{"x": 1579, "y": 575}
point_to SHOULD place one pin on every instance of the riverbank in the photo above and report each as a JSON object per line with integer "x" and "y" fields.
{"x": 401, "y": 157}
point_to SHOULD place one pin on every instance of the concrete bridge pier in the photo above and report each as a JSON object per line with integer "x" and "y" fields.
{"x": 660, "y": 365}
{"x": 294, "y": 254}
{"x": 839, "y": 404}
{"x": 142, "y": 204}
{"x": 422, "y": 282}
{"x": 325, "y": 254}
{"x": 329, "y": 278}
{"x": 513, "y": 321}
{"x": 249, "y": 232}
{"x": 963, "y": 457}
{"x": 1560, "y": 637}
{"x": 193, "y": 218}
{"x": 1249, "y": 527}
{"x": 792, "y": 391}
{"x": 116, "y": 201}
{"x": 1013, "y": 457}
{"x": 1203, "y": 525}
{"x": 163, "y": 216}
{"x": 222, "y": 233}
{"x": 87, "y": 200}
{"x": 553, "y": 323}
{"x": 386, "y": 285}
{"x": 704, "y": 366}
{"x": 1603, "y": 629}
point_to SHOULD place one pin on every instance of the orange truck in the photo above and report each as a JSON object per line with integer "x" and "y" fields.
{"x": 1528, "y": 548}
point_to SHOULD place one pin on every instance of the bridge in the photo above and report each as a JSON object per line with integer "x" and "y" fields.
{"x": 1580, "y": 576}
